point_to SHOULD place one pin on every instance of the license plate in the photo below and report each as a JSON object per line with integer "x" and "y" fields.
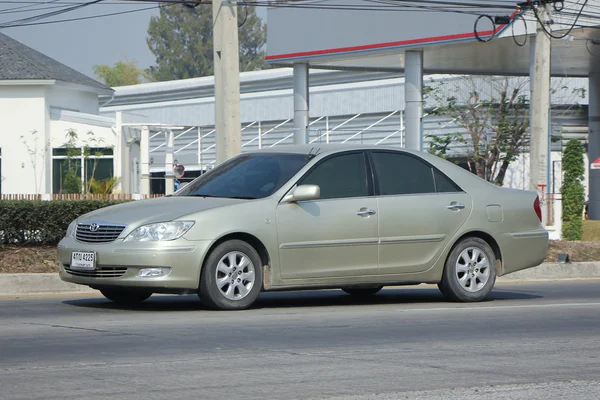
{"x": 85, "y": 260}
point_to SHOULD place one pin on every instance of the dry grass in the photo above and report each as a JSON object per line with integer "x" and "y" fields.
{"x": 577, "y": 251}
{"x": 26, "y": 259}
{"x": 42, "y": 259}
{"x": 591, "y": 231}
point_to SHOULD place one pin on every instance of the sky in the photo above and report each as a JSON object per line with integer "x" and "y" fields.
{"x": 83, "y": 44}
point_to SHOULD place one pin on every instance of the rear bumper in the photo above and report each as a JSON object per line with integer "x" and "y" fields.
{"x": 118, "y": 264}
{"x": 522, "y": 250}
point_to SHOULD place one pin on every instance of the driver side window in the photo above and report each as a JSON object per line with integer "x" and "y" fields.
{"x": 340, "y": 177}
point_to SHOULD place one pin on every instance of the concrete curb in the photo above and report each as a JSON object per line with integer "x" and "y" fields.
{"x": 38, "y": 284}
{"x": 555, "y": 271}
{"x": 15, "y": 285}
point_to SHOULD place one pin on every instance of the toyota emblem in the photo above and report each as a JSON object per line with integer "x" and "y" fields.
{"x": 94, "y": 227}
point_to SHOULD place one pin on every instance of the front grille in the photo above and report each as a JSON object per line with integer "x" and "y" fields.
{"x": 103, "y": 272}
{"x": 98, "y": 233}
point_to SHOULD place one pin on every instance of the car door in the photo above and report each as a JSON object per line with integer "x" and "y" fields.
{"x": 420, "y": 210}
{"x": 336, "y": 235}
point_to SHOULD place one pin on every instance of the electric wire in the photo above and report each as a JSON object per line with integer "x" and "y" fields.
{"x": 28, "y": 20}
{"x": 562, "y": 9}
{"x": 81, "y": 18}
{"x": 549, "y": 33}
{"x": 517, "y": 17}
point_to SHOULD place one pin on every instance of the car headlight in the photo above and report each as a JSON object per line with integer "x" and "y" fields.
{"x": 71, "y": 228}
{"x": 161, "y": 231}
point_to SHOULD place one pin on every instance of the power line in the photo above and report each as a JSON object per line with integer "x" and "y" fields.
{"x": 48, "y": 14}
{"x": 543, "y": 23}
{"x": 20, "y": 11}
{"x": 82, "y": 18}
{"x": 28, "y": 6}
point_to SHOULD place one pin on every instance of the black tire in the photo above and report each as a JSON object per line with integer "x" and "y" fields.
{"x": 474, "y": 274}
{"x": 125, "y": 297}
{"x": 215, "y": 297}
{"x": 362, "y": 291}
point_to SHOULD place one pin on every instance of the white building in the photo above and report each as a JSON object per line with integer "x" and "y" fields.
{"x": 40, "y": 101}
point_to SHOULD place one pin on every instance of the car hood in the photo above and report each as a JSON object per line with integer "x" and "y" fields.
{"x": 155, "y": 210}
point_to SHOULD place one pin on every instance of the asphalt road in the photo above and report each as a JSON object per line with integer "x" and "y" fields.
{"x": 530, "y": 341}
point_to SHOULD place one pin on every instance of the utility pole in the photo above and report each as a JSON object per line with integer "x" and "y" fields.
{"x": 227, "y": 79}
{"x": 540, "y": 109}
{"x": 169, "y": 181}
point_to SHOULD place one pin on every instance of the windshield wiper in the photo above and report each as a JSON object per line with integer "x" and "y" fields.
{"x": 201, "y": 195}
{"x": 223, "y": 197}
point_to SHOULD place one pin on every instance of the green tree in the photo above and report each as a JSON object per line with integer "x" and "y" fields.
{"x": 123, "y": 73}
{"x": 493, "y": 114}
{"x": 494, "y": 122}
{"x": 572, "y": 190}
{"x": 181, "y": 40}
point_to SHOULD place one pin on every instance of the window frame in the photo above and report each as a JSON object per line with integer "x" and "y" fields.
{"x": 81, "y": 158}
{"x": 433, "y": 169}
{"x": 368, "y": 174}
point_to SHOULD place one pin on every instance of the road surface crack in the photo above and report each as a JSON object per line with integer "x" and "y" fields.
{"x": 85, "y": 329}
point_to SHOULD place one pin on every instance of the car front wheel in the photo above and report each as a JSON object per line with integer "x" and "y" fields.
{"x": 470, "y": 271}
{"x": 231, "y": 277}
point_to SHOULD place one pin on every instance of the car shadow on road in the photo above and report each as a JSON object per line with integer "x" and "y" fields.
{"x": 300, "y": 299}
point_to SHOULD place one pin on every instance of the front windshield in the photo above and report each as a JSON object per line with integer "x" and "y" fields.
{"x": 247, "y": 176}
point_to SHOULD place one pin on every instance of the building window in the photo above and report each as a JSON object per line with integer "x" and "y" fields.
{"x": 82, "y": 170}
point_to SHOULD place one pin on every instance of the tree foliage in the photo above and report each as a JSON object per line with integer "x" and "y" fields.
{"x": 495, "y": 125}
{"x": 123, "y": 73}
{"x": 181, "y": 40}
{"x": 493, "y": 116}
{"x": 572, "y": 190}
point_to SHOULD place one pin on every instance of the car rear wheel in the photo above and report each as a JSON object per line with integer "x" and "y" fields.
{"x": 470, "y": 271}
{"x": 231, "y": 277}
{"x": 362, "y": 291}
{"x": 125, "y": 297}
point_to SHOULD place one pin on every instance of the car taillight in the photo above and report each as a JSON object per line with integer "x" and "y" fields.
{"x": 537, "y": 208}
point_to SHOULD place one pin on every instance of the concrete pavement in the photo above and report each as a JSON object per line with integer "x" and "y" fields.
{"x": 39, "y": 284}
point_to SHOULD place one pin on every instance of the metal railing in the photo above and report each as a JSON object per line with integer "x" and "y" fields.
{"x": 370, "y": 128}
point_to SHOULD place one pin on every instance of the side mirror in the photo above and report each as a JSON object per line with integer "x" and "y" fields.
{"x": 303, "y": 193}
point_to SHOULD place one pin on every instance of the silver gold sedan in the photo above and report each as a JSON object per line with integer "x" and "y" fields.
{"x": 309, "y": 217}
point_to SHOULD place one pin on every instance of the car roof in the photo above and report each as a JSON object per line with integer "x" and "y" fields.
{"x": 326, "y": 148}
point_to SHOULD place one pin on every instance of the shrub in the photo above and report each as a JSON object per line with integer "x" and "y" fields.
{"x": 42, "y": 222}
{"x": 572, "y": 190}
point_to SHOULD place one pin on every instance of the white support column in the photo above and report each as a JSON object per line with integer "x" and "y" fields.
{"x": 227, "y": 80}
{"x": 126, "y": 184}
{"x": 594, "y": 143}
{"x": 259, "y": 135}
{"x": 301, "y": 103}
{"x": 145, "y": 160}
{"x": 119, "y": 151}
{"x": 413, "y": 97}
{"x": 135, "y": 176}
{"x": 169, "y": 177}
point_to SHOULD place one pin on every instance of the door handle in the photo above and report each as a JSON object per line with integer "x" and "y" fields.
{"x": 455, "y": 206}
{"x": 366, "y": 212}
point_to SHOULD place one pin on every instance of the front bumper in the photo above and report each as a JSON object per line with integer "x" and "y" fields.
{"x": 118, "y": 264}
